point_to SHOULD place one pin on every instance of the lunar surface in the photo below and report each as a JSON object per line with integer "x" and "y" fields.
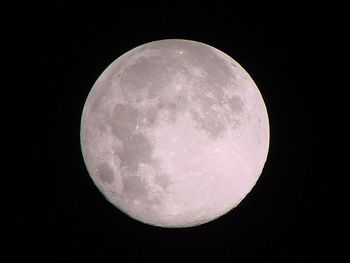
{"x": 175, "y": 133}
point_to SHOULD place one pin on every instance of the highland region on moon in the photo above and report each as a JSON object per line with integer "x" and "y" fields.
{"x": 174, "y": 133}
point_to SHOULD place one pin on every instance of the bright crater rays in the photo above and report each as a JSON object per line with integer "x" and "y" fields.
{"x": 175, "y": 133}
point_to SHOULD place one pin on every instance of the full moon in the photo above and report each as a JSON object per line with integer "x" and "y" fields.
{"x": 174, "y": 133}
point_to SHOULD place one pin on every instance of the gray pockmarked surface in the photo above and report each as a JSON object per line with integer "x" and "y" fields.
{"x": 175, "y": 133}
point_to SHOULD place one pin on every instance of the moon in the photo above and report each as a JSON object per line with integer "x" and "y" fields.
{"x": 174, "y": 133}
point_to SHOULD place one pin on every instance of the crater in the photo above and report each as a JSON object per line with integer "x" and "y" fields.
{"x": 105, "y": 173}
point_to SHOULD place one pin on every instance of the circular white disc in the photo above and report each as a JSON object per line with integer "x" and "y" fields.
{"x": 175, "y": 133}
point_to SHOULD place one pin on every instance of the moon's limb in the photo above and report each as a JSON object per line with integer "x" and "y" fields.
{"x": 175, "y": 133}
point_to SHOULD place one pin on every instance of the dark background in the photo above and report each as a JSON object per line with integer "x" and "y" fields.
{"x": 297, "y": 212}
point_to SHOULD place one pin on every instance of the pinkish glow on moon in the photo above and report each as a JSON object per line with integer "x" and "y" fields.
{"x": 175, "y": 133}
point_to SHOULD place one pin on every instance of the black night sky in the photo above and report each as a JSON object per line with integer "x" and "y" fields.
{"x": 287, "y": 217}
